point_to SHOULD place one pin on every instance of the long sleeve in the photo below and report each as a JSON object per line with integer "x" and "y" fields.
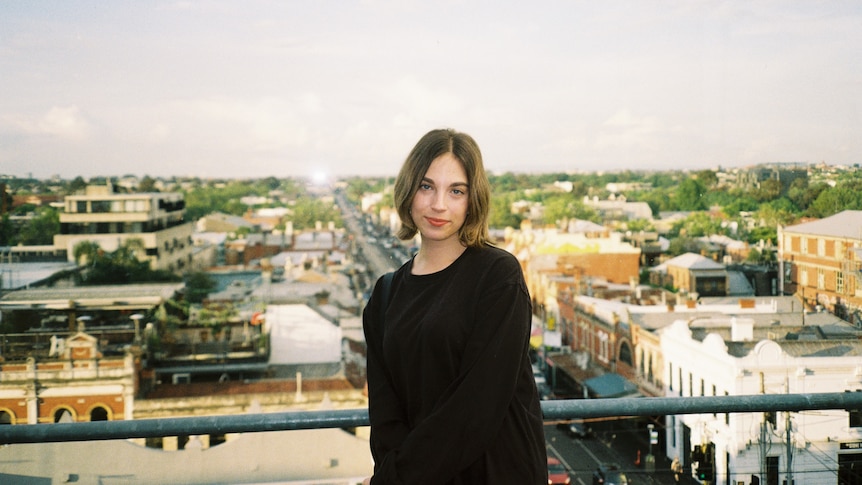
{"x": 390, "y": 424}
{"x": 482, "y": 421}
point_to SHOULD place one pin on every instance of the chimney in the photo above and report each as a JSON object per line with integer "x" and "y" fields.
{"x": 741, "y": 329}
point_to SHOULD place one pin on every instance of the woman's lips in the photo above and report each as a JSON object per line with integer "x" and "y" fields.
{"x": 436, "y": 222}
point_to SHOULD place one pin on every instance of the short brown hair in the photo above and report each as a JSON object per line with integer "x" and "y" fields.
{"x": 435, "y": 143}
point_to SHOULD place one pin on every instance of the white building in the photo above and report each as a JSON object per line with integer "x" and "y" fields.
{"x": 718, "y": 356}
{"x": 110, "y": 219}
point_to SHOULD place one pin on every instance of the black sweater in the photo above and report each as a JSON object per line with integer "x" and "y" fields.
{"x": 452, "y": 398}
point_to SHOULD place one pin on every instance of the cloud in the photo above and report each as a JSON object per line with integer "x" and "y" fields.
{"x": 267, "y": 124}
{"x": 63, "y": 122}
{"x": 419, "y": 104}
{"x": 626, "y": 129}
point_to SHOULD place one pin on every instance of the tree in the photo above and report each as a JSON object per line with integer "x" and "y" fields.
{"x": 707, "y": 177}
{"x": 86, "y": 252}
{"x": 768, "y": 190}
{"x": 844, "y": 196}
{"x": 638, "y": 225}
{"x": 802, "y": 194}
{"x": 308, "y": 211}
{"x": 117, "y": 267}
{"x": 681, "y": 245}
{"x": 40, "y": 230}
{"x": 698, "y": 224}
{"x": 77, "y": 185}
{"x": 7, "y": 232}
{"x": 690, "y": 195}
{"x": 199, "y": 284}
{"x": 501, "y": 215}
{"x": 147, "y": 184}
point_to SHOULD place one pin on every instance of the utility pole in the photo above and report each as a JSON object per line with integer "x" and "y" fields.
{"x": 787, "y": 425}
{"x": 788, "y": 428}
{"x": 763, "y": 424}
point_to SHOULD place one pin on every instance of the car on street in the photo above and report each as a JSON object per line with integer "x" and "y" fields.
{"x": 576, "y": 429}
{"x": 557, "y": 473}
{"x": 609, "y": 474}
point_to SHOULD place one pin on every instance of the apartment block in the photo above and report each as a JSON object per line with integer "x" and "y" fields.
{"x": 109, "y": 219}
{"x": 821, "y": 261}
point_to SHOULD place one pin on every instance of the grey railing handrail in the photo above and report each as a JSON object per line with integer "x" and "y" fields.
{"x": 348, "y": 418}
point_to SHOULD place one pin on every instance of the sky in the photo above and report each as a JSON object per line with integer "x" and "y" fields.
{"x": 260, "y": 88}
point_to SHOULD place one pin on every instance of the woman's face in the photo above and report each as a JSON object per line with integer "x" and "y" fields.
{"x": 439, "y": 206}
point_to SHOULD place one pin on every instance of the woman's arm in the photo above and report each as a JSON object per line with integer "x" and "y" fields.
{"x": 388, "y": 425}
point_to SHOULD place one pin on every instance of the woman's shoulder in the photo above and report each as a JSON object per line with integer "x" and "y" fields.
{"x": 490, "y": 253}
{"x": 494, "y": 258}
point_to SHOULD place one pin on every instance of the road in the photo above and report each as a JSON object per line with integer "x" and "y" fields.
{"x": 377, "y": 259}
{"x": 615, "y": 442}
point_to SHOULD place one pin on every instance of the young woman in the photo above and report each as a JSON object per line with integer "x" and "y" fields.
{"x": 452, "y": 398}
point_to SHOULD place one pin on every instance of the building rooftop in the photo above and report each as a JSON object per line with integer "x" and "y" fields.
{"x": 846, "y": 224}
{"x": 15, "y": 276}
{"x": 115, "y": 296}
{"x": 692, "y": 261}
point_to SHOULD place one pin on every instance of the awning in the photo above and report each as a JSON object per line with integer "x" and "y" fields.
{"x": 610, "y": 385}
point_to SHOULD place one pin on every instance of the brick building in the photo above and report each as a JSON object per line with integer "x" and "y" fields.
{"x": 821, "y": 261}
{"x": 79, "y": 384}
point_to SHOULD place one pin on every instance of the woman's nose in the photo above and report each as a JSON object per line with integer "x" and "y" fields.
{"x": 439, "y": 201}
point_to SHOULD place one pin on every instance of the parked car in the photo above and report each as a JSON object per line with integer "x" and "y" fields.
{"x": 557, "y": 473}
{"x": 609, "y": 474}
{"x": 576, "y": 429}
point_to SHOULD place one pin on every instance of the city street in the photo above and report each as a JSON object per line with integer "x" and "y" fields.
{"x": 614, "y": 442}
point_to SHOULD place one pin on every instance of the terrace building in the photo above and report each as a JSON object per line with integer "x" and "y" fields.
{"x": 735, "y": 356}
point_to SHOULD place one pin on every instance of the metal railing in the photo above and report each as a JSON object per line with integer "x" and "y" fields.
{"x": 553, "y": 410}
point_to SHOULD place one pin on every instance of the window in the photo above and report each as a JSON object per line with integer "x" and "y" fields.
{"x": 670, "y": 377}
{"x": 855, "y": 418}
{"x": 803, "y": 277}
{"x": 100, "y": 206}
{"x": 821, "y": 279}
{"x": 604, "y": 350}
{"x": 673, "y": 430}
{"x": 772, "y": 470}
{"x": 821, "y": 247}
{"x": 804, "y": 241}
{"x": 99, "y": 414}
{"x": 181, "y": 378}
{"x": 63, "y": 415}
{"x": 839, "y": 282}
{"x": 81, "y": 206}
{"x": 726, "y": 415}
{"x": 139, "y": 205}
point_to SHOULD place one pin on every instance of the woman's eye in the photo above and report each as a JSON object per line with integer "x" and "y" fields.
{"x": 424, "y": 187}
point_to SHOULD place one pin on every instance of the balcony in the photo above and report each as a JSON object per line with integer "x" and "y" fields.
{"x": 56, "y": 451}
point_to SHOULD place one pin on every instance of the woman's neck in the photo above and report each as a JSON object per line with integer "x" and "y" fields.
{"x": 433, "y": 257}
